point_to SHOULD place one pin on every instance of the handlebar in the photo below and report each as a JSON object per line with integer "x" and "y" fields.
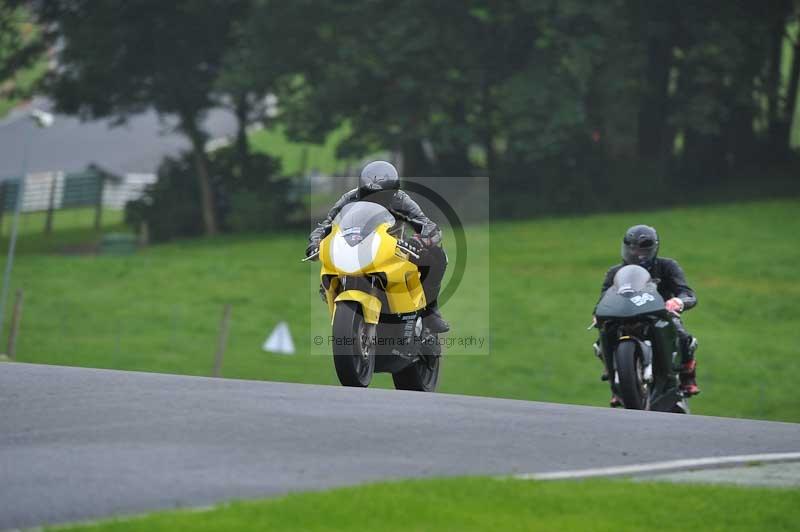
{"x": 312, "y": 256}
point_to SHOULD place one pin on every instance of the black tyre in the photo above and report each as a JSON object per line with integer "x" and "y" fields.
{"x": 353, "y": 348}
{"x": 631, "y": 385}
{"x": 422, "y": 375}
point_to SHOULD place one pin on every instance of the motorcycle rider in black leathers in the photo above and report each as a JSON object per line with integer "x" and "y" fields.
{"x": 379, "y": 183}
{"x": 640, "y": 246}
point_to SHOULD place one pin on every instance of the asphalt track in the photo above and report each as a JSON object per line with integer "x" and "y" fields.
{"x": 79, "y": 444}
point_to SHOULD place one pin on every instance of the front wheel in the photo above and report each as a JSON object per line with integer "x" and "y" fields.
{"x": 353, "y": 345}
{"x": 631, "y": 385}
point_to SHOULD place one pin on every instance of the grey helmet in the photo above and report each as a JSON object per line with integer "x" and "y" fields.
{"x": 640, "y": 246}
{"x": 378, "y": 176}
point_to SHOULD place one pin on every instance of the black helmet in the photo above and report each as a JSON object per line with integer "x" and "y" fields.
{"x": 640, "y": 246}
{"x": 377, "y": 176}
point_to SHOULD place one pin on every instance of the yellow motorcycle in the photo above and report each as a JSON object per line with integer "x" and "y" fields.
{"x": 374, "y": 293}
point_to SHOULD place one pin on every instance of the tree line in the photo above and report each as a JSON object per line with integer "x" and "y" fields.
{"x": 568, "y": 105}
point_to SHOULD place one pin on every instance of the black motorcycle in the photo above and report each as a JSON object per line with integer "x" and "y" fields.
{"x": 639, "y": 344}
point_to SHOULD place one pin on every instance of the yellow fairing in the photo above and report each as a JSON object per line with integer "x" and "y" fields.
{"x": 370, "y": 304}
{"x": 404, "y": 289}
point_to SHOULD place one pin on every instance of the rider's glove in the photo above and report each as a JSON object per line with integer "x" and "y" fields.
{"x": 675, "y": 305}
{"x": 422, "y": 242}
{"x": 312, "y": 248}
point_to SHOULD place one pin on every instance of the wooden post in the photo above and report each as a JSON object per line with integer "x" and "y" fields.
{"x": 144, "y": 234}
{"x": 98, "y": 208}
{"x": 3, "y": 188}
{"x": 304, "y": 162}
{"x": 51, "y": 204}
{"x": 222, "y": 340}
{"x": 16, "y": 318}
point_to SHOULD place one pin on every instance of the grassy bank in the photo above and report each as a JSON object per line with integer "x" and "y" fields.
{"x": 487, "y": 504}
{"x": 159, "y": 310}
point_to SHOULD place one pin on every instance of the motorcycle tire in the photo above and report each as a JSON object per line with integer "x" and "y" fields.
{"x": 353, "y": 354}
{"x": 632, "y": 389}
{"x": 422, "y": 375}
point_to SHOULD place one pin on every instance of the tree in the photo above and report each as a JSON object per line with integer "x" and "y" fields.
{"x": 420, "y": 78}
{"x": 120, "y": 57}
{"x": 21, "y": 44}
{"x": 260, "y": 201}
{"x": 269, "y": 48}
{"x": 782, "y": 110}
{"x": 396, "y": 73}
{"x": 658, "y": 24}
{"x": 570, "y": 102}
{"x": 794, "y": 86}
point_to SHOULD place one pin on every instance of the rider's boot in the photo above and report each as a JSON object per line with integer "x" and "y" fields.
{"x": 615, "y": 401}
{"x": 688, "y": 373}
{"x": 434, "y": 321}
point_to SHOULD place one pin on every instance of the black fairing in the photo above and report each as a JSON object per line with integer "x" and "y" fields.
{"x": 623, "y": 306}
{"x": 632, "y": 310}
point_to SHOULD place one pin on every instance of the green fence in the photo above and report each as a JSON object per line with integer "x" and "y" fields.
{"x": 53, "y": 190}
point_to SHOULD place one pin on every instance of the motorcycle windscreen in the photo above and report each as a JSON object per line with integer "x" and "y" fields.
{"x": 359, "y": 219}
{"x": 633, "y": 294}
{"x": 631, "y": 278}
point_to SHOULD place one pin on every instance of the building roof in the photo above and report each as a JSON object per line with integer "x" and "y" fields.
{"x": 71, "y": 144}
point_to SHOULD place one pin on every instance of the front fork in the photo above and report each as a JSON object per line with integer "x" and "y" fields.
{"x": 598, "y": 352}
{"x": 603, "y": 351}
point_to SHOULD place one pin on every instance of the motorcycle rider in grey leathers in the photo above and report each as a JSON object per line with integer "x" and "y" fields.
{"x": 380, "y": 183}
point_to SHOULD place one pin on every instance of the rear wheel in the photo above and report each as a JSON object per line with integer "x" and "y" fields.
{"x": 353, "y": 345}
{"x": 422, "y": 375}
{"x": 630, "y": 369}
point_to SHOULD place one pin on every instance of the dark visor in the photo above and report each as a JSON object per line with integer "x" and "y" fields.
{"x": 643, "y": 244}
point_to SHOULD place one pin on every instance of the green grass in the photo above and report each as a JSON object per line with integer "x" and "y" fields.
{"x": 72, "y": 228}
{"x": 300, "y": 158}
{"x": 159, "y": 310}
{"x": 489, "y": 504}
